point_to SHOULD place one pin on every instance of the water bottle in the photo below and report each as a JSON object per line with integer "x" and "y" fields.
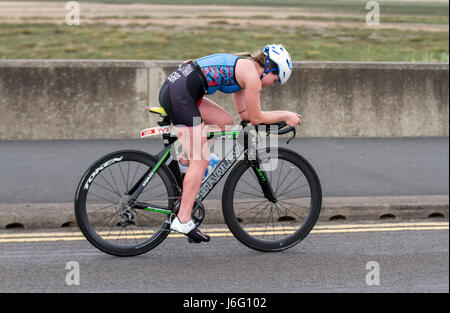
{"x": 213, "y": 160}
{"x": 183, "y": 168}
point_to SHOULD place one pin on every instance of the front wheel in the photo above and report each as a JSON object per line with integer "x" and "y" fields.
{"x": 272, "y": 224}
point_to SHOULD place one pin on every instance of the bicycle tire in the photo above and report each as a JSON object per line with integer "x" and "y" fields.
{"x": 90, "y": 211}
{"x": 250, "y": 236}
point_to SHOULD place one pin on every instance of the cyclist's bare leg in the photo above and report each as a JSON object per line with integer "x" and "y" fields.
{"x": 194, "y": 143}
{"x": 214, "y": 116}
{"x": 216, "y": 119}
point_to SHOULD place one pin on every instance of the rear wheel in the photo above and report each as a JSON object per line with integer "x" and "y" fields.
{"x": 272, "y": 225}
{"x": 104, "y": 214}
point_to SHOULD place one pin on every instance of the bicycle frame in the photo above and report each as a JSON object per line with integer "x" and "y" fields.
{"x": 111, "y": 216}
{"x": 212, "y": 179}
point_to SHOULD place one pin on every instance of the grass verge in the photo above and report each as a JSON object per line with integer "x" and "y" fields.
{"x": 103, "y": 41}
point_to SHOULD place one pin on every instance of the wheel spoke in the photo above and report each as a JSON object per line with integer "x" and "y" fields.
{"x": 106, "y": 181}
{"x": 259, "y": 203}
{"x": 287, "y": 208}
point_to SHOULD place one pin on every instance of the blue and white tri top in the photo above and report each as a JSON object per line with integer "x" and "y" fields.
{"x": 219, "y": 71}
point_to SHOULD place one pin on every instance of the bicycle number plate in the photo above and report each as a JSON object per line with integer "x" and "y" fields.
{"x": 154, "y": 131}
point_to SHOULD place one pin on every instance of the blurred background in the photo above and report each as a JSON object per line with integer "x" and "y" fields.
{"x": 319, "y": 30}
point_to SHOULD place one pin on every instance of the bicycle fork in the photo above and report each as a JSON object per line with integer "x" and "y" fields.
{"x": 264, "y": 182}
{"x": 262, "y": 177}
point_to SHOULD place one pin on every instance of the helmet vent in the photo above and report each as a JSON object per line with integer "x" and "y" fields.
{"x": 289, "y": 64}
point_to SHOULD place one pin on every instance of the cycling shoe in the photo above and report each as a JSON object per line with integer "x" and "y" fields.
{"x": 189, "y": 229}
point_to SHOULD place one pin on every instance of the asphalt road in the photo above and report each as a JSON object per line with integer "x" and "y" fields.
{"x": 389, "y": 257}
{"x": 49, "y": 171}
{"x": 336, "y": 258}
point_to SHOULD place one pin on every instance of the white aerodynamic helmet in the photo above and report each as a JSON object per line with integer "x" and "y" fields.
{"x": 279, "y": 55}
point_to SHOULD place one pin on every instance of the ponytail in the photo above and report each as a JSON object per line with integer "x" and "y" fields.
{"x": 243, "y": 54}
{"x": 258, "y": 57}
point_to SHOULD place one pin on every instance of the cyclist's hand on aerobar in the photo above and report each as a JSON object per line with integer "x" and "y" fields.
{"x": 293, "y": 119}
{"x": 187, "y": 61}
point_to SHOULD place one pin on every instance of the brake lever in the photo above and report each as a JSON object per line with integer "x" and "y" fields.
{"x": 284, "y": 131}
{"x": 281, "y": 125}
{"x": 287, "y": 130}
{"x": 294, "y": 131}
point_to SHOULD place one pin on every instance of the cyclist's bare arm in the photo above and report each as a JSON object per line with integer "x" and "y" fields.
{"x": 247, "y": 102}
{"x": 240, "y": 105}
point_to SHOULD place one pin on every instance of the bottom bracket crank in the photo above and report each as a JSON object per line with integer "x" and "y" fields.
{"x": 198, "y": 213}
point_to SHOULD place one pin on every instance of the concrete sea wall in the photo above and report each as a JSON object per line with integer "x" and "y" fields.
{"x": 84, "y": 99}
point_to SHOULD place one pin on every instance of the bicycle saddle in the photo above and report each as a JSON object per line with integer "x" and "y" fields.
{"x": 157, "y": 110}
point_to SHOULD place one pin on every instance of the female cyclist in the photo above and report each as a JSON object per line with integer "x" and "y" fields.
{"x": 182, "y": 96}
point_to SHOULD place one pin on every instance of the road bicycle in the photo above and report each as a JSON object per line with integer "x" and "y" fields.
{"x": 271, "y": 199}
